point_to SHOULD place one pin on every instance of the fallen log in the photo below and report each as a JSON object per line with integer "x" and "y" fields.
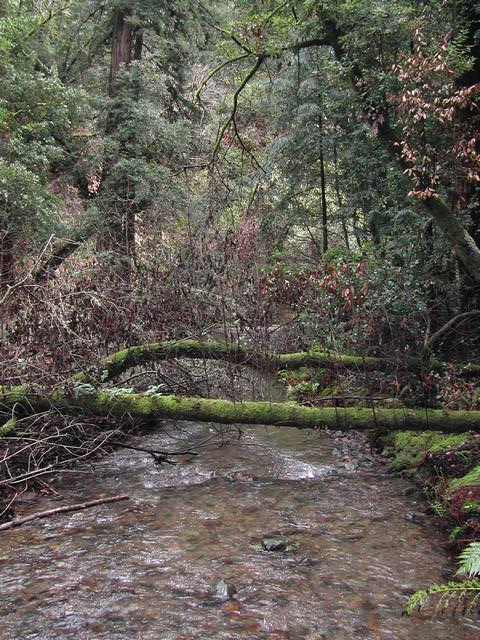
{"x": 148, "y": 408}
{"x": 118, "y": 363}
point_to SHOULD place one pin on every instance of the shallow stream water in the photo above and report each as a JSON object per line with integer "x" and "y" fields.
{"x": 150, "y": 568}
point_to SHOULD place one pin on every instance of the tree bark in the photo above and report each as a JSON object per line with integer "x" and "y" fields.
{"x": 339, "y": 198}
{"x": 323, "y": 188}
{"x": 117, "y": 233}
{"x": 115, "y": 365}
{"x": 122, "y": 42}
{"x": 151, "y": 408}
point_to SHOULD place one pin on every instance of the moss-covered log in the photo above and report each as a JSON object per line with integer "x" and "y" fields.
{"x": 151, "y": 407}
{"x": 118, "y": 363}
{"x": 7, "y": 427}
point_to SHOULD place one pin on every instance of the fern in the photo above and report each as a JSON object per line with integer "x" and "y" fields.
{"x": 470, "y": 560}
{"x": 463, "y": 594}
{"x": 438, "y": 507}
{"x": 457, "y": 531}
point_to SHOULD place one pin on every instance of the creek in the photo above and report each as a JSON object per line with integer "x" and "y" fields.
{"x": 186, "y": 558}
{"x": 151, "y": 568}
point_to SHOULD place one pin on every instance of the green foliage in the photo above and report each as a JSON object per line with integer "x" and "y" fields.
{"x": 463, "y": 595}
{"x": 31, "y": 206}
{"x": 456, "y": 596}
{"x": 457, "y": 531}
{"x": 438, "y": 508}
{"x": 34, "y": 111}
{"x": 469, "y": 560}
{"x": 471, "y": 479}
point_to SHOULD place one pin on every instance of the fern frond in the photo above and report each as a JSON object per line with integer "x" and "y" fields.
{"x": 469, "y": 560}
{"x": 465, "y": 594}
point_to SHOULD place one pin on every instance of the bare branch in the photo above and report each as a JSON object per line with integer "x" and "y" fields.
{"x": 231, "y": 119}
{"x": 461, "y": 317}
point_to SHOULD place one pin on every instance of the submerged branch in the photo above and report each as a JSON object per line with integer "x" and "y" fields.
{"x": 51, "y": 512}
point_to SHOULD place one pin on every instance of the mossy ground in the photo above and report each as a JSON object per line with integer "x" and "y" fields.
{"x": 408, "y": 449}
{"x": 448, "y": 469}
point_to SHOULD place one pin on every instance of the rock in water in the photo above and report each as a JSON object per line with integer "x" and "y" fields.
{"x": 416, "y": 518}
{"x": 274, "y": 544}
{"x": 225, "y": 591}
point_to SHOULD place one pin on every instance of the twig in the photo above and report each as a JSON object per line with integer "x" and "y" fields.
{"x": 21, "y": 282}
{"x": 217, "y": 69}
{"x": 158, "y": 456}
{"x": 73, "y": 507}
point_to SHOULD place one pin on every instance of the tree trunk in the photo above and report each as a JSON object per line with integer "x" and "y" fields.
{"x": 131, "y": 210}
{"x": 462, "y": 243}
{"x": 323, "y": 188}
{"x": 117, "y": 364}
{"x": 121, "y": 47}
{"x": 460, "y": 240}
{"x": 151, "y": 408}
{"x": 117, "y": 233}
{"x": 339, "y": 199}
{"x": 7, "y": 261}
{"x": 432, "y": 297}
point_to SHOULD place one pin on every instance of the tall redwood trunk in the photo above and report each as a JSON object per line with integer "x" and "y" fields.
{"x": 115, "y": 239}
{"x": 122, "y": 41}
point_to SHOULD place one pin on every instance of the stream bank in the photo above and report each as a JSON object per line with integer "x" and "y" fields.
{"x": 447, "y": 469}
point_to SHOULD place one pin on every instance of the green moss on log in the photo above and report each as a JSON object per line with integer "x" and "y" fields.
{"x": 116, "y": 364}
{"x": 407, "y": 449}
{"x": 8, "y": 427}
{"x": 149, "y": 408}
